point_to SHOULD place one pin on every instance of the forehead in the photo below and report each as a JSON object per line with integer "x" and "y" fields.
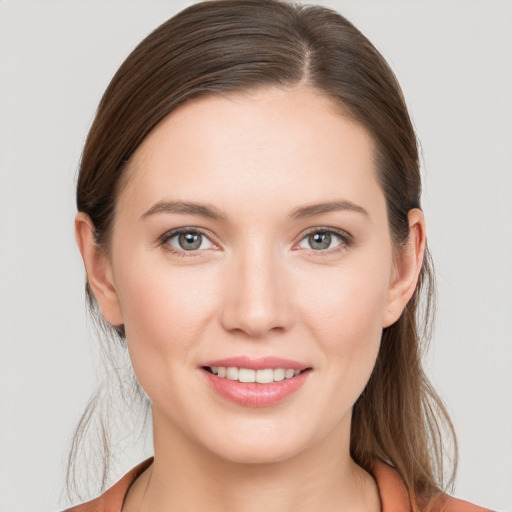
{"x": 274, "y": 144}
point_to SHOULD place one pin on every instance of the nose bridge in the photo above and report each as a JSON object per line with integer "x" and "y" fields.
{"x": 257, "y": 300}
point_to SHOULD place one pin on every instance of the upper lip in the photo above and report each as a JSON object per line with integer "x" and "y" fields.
{"x": 257, "y": 363}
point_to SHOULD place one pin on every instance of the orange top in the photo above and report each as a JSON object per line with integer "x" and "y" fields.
{"x": 392, "y": 491}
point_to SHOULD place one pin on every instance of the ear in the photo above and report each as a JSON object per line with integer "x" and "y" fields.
{"x": 407, "y": 268}
{"x": 99, "y": 270}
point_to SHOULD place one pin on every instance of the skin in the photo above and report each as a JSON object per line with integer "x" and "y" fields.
{"x": 256, "y": 287}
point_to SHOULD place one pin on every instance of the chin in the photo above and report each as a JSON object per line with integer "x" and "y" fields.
{"x": 257, "y": 454}
{"x": 263, "y": 448}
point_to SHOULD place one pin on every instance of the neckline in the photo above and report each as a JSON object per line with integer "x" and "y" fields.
{"x": 392, "y": 491}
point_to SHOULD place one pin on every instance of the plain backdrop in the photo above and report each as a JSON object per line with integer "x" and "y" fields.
{"x": 454, "y": 61}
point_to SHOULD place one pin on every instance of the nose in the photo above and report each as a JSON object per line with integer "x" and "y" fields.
{"x": 258, "y": 297}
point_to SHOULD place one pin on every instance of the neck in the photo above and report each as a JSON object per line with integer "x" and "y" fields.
{"x": 186, "y": 477}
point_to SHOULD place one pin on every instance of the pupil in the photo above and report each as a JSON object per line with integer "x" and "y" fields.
{"x": 190, "y": 241}
{"x": 320, "y": 240}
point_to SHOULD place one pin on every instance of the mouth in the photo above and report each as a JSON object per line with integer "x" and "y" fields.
{"x": 256, "y": 382}
{"x": 260, "y": 376}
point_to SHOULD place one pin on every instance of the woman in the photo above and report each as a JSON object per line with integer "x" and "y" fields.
{"x": 250, "y": 223}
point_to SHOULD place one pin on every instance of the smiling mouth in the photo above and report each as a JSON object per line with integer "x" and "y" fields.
{"x": 263, "y": 376}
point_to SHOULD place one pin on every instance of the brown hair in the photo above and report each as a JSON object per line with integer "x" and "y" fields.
{"x": 227, "y": 46}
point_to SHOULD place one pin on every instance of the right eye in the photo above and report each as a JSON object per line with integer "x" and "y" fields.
{"x": 184, "y": 241}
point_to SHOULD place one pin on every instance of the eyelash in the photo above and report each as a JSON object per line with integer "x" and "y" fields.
{"x": 346, "y": 241}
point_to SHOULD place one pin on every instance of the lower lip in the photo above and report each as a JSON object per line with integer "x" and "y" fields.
{"x": 252, "y": 394}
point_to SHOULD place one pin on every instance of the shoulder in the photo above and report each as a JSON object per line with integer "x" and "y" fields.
{"x": 448, "y": 504}
{"x": 112, "y": 499}
{"x": 395, "y": 498}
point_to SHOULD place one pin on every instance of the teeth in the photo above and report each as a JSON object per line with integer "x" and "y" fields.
{"x": 232, "y": 373}
{"x": 265, "y": 376}
{"x": 279, "y": 374}
{"x": 245, "y": 375}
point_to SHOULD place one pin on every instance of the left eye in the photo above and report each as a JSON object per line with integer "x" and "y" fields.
{"x": 321, "y": 240}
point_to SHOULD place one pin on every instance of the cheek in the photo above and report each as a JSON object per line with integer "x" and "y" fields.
{"x": 164, "y": 309}
{"x": 349, "y": 302}
{"x": 346, "y": 316}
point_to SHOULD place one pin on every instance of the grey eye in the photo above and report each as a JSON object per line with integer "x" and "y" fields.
{"x": 320, "y": 240}
{"x": 190, "y": 241}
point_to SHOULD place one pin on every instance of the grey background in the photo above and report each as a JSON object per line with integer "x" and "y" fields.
{"x": 454, "y": 61}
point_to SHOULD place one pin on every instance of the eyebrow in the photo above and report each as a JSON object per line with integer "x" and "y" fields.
{"x": 189, "y": 208}
{"x": 331, "y": 206}
{"x": 211, "y": 212}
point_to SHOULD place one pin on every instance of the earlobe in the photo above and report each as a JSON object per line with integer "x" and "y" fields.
{"x": 98, "y": 268}
{"x": 408, "y": 267}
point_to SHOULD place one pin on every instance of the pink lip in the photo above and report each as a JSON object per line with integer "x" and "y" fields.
{"x": 259, "y": 363}
{"x": 252, "y": 394}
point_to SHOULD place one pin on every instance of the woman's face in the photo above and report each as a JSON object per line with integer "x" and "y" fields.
{"x": 252, "y": 234}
